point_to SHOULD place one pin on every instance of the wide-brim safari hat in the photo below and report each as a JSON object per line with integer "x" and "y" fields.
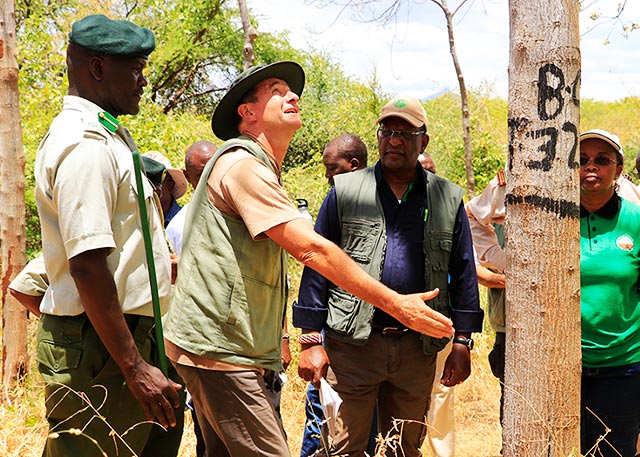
{"x": 224, "y": 122}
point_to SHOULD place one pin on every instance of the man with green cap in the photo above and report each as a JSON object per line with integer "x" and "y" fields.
{"x": 224, "y": 326}
{"x": 96, "y": 350}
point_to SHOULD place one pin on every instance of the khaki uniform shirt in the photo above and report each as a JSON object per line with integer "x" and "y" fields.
{"x": 483, "y": 210}
{"x": 87, "y": 199}
{"x": 32, "y": 280}
{"x": 628, "y": 190}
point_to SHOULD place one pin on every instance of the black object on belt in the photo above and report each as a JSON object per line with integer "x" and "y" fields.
{"x": 390, "y": 331}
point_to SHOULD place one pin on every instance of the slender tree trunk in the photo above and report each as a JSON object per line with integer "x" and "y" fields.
{"x": 464, "y": 98}
{"x": 250, "y": 34}
{"x": 542, "y": 375}
{"x": 12, "y": 235}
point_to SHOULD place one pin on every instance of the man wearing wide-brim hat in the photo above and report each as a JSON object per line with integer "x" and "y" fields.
{"x": 224, "y": 326}
{"x": 96, "y": 350}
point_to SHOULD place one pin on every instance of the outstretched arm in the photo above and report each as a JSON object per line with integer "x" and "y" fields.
{"x": 310, "y": 248}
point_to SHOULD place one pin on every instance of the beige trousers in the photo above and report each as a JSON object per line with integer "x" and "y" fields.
{"x": 441, "y": 430}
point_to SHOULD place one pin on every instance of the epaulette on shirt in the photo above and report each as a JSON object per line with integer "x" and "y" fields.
{"x": 502, "y": 180}
{"x": 97, "y": 127}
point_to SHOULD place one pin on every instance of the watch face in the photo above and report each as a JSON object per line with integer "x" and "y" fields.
{"x": 470, "y": 343}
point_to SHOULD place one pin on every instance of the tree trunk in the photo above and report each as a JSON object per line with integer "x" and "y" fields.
{"x": 464, "y": 98}
{"x": 12, "y": 236}
{"x": 250, "y": 34}
{"x": 543, "y": 356}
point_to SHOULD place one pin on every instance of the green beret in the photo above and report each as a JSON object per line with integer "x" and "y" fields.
{"x": 155, "y": 171}
{"x": 106, "y": 36}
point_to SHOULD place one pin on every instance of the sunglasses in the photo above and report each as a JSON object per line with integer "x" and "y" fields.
{"x": 599, "y": 161}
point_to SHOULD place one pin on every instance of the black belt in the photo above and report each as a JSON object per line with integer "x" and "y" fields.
{"x": 390, "y": 331}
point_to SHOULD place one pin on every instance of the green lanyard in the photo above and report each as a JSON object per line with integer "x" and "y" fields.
{"x": 113, "y": 125}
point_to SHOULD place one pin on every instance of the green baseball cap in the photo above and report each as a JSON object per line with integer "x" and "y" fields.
{"x": 102, "y": 35}
{"x": 224, "y": 121}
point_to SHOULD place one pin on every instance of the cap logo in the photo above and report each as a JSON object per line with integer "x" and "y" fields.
{"x": 400, "y": 104}
{"x": 625, "y": 243}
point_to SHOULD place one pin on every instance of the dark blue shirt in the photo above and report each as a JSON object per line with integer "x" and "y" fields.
{"x": 403, "y": 268}
{"x": 171, "y": 212}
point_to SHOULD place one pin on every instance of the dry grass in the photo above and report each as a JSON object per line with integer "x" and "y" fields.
{"x": 477, "y": 410}
{"x": 23, "y": 428}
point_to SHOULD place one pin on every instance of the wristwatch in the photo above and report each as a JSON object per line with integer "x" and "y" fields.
{"x": 468, "y": 342}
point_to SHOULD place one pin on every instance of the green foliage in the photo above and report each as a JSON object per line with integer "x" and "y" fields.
{"x": 200, "y": 50}
{"x": 333, "y": 104}
{"x": 488, "y": 136}
{"x": 197, "y": 41}
{"x": 621, "y": 117}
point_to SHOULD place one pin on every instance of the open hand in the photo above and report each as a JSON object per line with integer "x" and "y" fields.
{"x": 412, "y": 311}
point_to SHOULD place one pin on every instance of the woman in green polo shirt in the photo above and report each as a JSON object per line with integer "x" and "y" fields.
{"x": 610, "y": 296}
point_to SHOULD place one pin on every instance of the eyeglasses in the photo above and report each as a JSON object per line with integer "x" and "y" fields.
{"x": 388, "y": 133}
{"x": 599, "y": 161}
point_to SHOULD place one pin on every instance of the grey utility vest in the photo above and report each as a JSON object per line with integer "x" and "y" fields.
{"x": 364, "y": 239}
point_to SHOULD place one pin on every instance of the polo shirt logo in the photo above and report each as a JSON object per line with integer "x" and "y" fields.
{"x": 624, "y": 242}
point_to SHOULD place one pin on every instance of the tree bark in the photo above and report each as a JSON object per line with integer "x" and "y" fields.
{"x": 12, "y": 216}
{"x": 543, "y": 355}
{"x": 250, "y": 34}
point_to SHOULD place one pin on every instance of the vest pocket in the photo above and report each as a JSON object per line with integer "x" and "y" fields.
{"x": 359, "y": 237}
{"x": 440, "y": 244}
{"x": 343, "y": 310}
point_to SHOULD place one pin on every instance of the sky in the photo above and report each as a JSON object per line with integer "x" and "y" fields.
{"x": 411, "y": 56}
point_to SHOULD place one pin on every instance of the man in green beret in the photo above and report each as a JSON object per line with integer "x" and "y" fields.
{"x": 224, "y": 326}
{"x": 96, "y": 349}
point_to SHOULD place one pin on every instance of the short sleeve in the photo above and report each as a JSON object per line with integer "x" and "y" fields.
{"x": 252, "y": 191}
{"x": 32, "y": 280}
{"x": 85, "y": 191}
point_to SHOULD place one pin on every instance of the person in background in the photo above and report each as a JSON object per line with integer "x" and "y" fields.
{"x": 609, "y": 301}
{"x": 29, "y": 286}
{"x": 406, "y": 227}
{"x": 427, "y": 162}
{"x": 224, "y": 326}
{"x": 195, "y": 159}
{"x": 174, "y": 186}
{"x": 343, "y": 154}
{"x": 441, "y": 430}
{"x": 628, "y": 190}
{"x": 486, "y": 214}
{"x": 96, "y": 320}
